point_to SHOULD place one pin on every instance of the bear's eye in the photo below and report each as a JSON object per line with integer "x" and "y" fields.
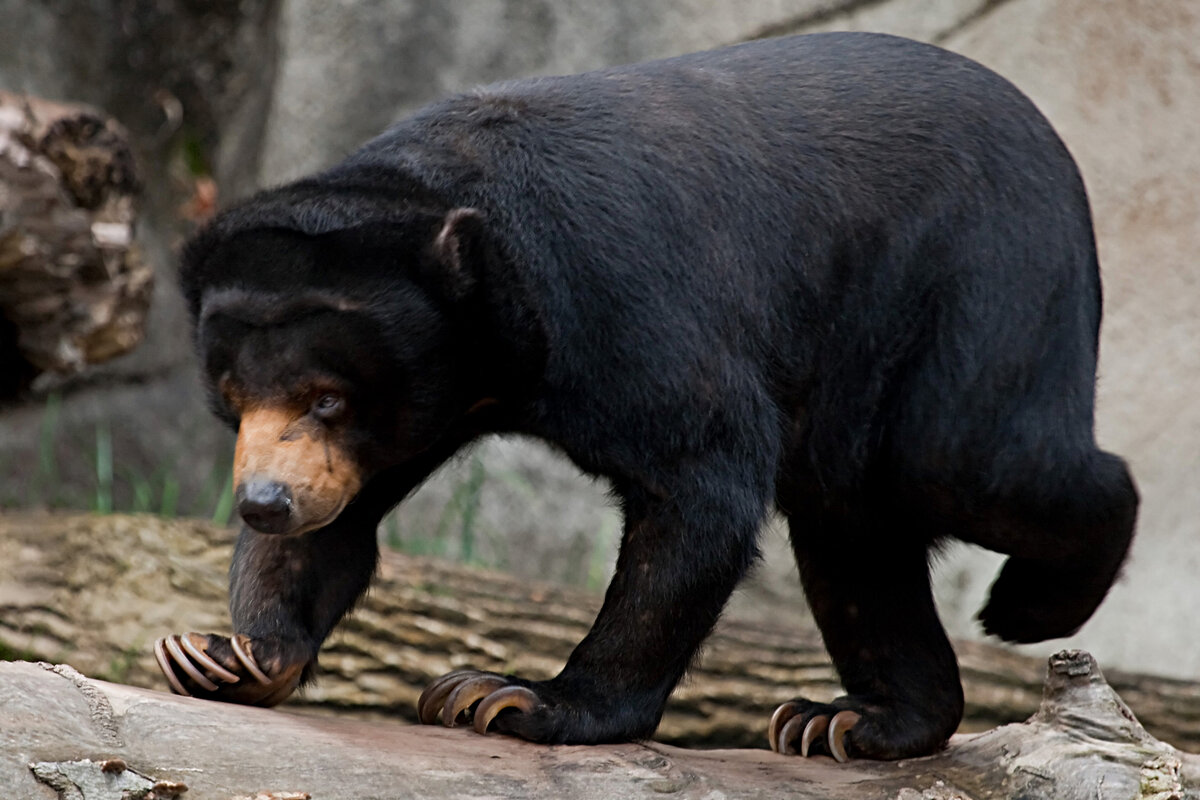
{"x": 328, "y": 406}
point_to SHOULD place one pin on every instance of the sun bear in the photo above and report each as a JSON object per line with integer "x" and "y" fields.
{"x": 849, "y": 277}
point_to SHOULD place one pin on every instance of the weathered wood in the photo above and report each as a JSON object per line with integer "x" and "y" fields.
{"x": 95, "y": 591}
{"x": 74, "y": 289}
{"x": 90, "y": 740}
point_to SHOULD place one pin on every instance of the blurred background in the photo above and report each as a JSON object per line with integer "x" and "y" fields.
{"x": 220, "y": 98}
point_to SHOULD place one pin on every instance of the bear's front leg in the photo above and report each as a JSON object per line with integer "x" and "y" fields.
{"x": 684, "y": 549}
{"x": 286, "y": 595}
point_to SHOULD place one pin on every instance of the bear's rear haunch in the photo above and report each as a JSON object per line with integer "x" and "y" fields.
{"x": 846, "y": 276}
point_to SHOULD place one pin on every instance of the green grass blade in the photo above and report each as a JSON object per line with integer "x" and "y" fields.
{"x": 170, "y": 496}
{"x": 104, "y": 469}
{"x": 224, "y": 509}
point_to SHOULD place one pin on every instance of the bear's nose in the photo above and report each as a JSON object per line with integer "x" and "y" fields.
{"x": 265, "y": 505}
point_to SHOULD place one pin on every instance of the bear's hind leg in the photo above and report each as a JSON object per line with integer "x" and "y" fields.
{"x": 870, "y": 594}
{"x": 1067, "y": 540}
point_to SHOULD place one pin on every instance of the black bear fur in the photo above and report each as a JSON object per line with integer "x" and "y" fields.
{"x": 848, "y": 276}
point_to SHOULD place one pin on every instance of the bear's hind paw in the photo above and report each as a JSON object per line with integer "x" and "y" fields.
{"x": 858, "y": 726}
{"x": 454, "y": 694}
{"x": 791, "y": 721}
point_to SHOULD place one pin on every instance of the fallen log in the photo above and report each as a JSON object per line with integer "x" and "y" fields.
{"x": 74, "y": 289}
{"x": 90, "y": 740}
{"x": 95, "y": 591}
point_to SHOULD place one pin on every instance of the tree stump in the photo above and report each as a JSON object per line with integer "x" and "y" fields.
{"x": 74, "y": 289}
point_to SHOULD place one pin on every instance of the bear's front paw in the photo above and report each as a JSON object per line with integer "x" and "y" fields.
{"x": 569, "y": 709}
{"x": 851, "y": 727}
{"x": 258, "y": 672}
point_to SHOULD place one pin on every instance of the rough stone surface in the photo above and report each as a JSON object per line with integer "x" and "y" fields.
{"x": 398, "y": 54}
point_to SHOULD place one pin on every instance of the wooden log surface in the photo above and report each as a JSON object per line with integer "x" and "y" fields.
{"x": 95, "y": 591}
{"x": 74, "y": 289}
{"x": 64, "y": 735}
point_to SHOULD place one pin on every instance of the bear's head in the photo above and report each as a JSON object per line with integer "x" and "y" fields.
{"x": 335, "y": 347}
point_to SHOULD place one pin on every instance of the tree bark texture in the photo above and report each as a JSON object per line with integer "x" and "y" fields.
{"x": 64, "y": 735}
{"x": 95, "y": 591}
{"x": 74, "y": 289}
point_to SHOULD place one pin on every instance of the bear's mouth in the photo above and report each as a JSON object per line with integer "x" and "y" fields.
{"x": 308, "y": 527}
{"x": 292, "y": 475}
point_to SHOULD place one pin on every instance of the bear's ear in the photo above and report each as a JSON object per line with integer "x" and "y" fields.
{"x": 457, "y": 250}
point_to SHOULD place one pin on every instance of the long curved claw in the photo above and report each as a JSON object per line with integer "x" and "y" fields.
{"x": 788, "y": 735}
{"x": 287, "y": 682}
{"x": 194, "y": 644}
{"x": 839, "y": 726}
{"x": 812, "y": 731}
{"x": 517, "y": 697}
{"x": 779, "y": 720}
{"x": 467, "y": 693}
{"x": 452, "y": 694}
{"x": 214, "y": 667}
{"x": 798, "y": 722}
{"x": 241, "y": 649}
{"x": 164, "y": 664}
{"x": 181, "y": 659}
{"x": 429, "y": 704}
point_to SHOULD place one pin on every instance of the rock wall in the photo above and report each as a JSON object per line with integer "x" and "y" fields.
{"x": 191, "y": 82}
{"x": 269, "y": 89}
{"x": 1121, "y": 82}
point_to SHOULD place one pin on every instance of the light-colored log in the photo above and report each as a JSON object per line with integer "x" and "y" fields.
{"x": 67, "y": 736}
{"x": 95, "y": 591}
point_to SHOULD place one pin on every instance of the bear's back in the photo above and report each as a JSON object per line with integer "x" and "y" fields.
{"x": 740, "y": 158}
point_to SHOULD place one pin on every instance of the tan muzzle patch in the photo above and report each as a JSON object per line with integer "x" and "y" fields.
{"x": 286, "y": 446}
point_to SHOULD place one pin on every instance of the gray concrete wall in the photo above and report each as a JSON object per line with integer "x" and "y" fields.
{"x": 301, "y": 82}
